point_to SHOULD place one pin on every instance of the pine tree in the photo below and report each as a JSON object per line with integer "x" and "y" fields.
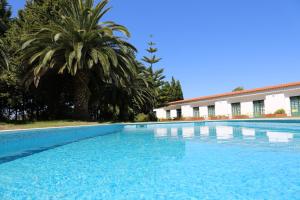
{"x": 166, "y": 91}
{"x": 152, "y": 59}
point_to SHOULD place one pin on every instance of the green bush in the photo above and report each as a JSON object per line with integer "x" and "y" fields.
{"x": 141, "y": 117}
{"x": 279, "y": 111}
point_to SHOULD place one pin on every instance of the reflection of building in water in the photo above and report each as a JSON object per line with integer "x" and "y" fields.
{"x": 161, "y": 146}
{"x": 248, "y": 133}
{"x": 160, "y": 132}
{"x": 188, "y": 132}
{"x": 224, "y": 132}
{"x": 212, "y": 131}
{"x": 197, "y": 131}
{"x": 279, "y": 136}
{"x": 174, "y": 132}
{"x": 204, "y": 131}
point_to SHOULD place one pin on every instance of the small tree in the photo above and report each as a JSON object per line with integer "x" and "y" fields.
{"x": 238, "y": 89}
{"x": 279, "y": 111}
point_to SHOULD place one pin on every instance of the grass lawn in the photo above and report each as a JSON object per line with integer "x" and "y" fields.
{"x": 43, "y": 124}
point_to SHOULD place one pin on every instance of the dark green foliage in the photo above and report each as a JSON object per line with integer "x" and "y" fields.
{"x": 238, "y": 89}
{"x": 164, "y": 91}
{"x": 152, "y": 59}
{"x": 280, "y": 111}
{"x": 141, "y": 117}
{"x": 170, "y": 91}
{"x": 5, "y": 14}
{"x": 3, "y": 57}
{"x": 75, "y": 44}
{"x": 65, "y": 62}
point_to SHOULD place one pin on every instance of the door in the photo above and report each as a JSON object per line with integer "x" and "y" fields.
{"x": 236, "y": 109}
{"x": 295, "y": 106}
{"x": 178, "y": 113}
{"x": 196, "y": 112}
{"x": 258, "y": 108}
{"x": 211, "y": 111}
{"x": 168, "y": 114}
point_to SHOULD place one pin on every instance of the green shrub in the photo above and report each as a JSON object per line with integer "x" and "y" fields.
{"x": 141, "y": 117}
{"x": 279, "y": 111}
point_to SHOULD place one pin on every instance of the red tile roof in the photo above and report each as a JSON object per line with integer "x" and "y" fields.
{"x": 228, "y": 94}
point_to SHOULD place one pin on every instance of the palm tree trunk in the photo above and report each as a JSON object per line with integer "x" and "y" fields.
{"x": 81, "y": 96}
{"x": 124, "y": 115}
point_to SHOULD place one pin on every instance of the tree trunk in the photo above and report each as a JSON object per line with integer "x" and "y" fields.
{"x": 124, "y": 114}
{"x": 81, "y": 96}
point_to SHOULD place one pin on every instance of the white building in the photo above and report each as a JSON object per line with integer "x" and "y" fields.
{"x": 247, "y": 103}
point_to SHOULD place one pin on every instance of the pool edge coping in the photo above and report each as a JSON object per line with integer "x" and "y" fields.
{"x": 137, "y": 123}
{"x": 53, "y": 127}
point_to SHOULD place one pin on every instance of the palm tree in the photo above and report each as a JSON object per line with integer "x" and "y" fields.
{"x": 142, "y": 91}
{"x": 133, "y": 96}
{"x": 80, "y": 44}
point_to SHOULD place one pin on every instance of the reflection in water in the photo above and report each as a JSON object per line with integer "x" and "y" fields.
{"x": 204, "y": 131}
{"x": 188, "y": 132}
{"x": 174, "y": 132}
{"x": 275, "y": 137}
{"x": 248, "y": 133}
{"x": 224, "y": 132}
{"x": 161, "y": 132}
{"x": 197, "y": 131}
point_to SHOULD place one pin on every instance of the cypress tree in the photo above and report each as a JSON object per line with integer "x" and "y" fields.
{"x": 179, "y": 93}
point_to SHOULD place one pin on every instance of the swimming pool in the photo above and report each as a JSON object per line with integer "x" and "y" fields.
{"x": 207, "y": 160}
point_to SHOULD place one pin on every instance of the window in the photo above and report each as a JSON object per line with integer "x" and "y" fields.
{"x": 196, "y": 112}
{"x": 168, "y": 114}
{"x": 236, "y": 109}
{"x": 178, "y": 111}
{"x": 211, "y": 111}
{"x": 295, "y": 106}
{"x": 258, "y": 108}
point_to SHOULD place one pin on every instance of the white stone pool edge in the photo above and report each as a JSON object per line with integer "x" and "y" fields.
{"x": 168, "y": 122}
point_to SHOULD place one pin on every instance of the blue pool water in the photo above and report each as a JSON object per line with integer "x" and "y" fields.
{"x": 212, "y": 160}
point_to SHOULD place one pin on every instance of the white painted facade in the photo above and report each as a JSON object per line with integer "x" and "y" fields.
{"x": 247, "y": 108}
{"x": 273, "y": 98}
{"x": 187, "y": 110}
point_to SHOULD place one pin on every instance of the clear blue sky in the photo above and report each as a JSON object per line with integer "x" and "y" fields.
{"x": 212, "y": 46}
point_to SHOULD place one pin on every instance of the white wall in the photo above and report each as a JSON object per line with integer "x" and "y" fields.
{"x": 203, "y": 110}
{"x": 274, "y": 102}
{"x": 161, "y": 113}
{"x": 187, "y": 111}
{"x": 173, "y": 113}
{"x": 287, "y": 106}
{"x": 222, "y": 108}
{"x": 247, "y": 108}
